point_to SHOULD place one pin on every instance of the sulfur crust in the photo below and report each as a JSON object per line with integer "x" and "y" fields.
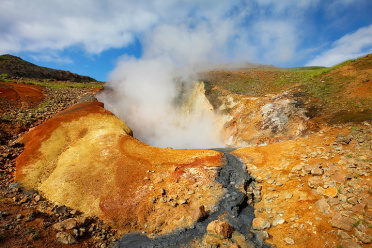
{"x": 93, "y": 158}
{"x": 66, "y": 151}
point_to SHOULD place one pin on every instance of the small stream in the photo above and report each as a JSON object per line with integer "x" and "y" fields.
{"x": 240, "y": 215}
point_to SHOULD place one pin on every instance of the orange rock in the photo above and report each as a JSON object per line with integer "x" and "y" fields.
{"x": 86, "y": 159}
{"x": 260, "y": 224}
{"x": 315, "y": 182}
{"x": 220, "y": 228}
{"x": 331, "y": 192}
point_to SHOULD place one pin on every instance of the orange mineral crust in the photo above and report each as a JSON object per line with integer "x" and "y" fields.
{"x": 86, "y": 158}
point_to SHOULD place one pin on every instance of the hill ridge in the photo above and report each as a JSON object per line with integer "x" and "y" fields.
{"x": 15, "y": 66}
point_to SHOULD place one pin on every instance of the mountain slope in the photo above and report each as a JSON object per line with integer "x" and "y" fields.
{"x": 17, "y": 67}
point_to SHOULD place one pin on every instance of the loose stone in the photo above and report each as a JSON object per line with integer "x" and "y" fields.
{"x": 344, "y": 223}
{"x": 315, "y": 182}
{"x": 331, "y": 192}
{"x": 350, "y": 244}
{"x": 260, "y": 224}
{"x": 288, "y": 195}
{"x": 323, "y": 206}
{"x": 365, "y": 238}
{"x": 69, "y": 224}
{"x": 289, "y": 241}
{"x": 220, "y": 229}
{"x": 278, "y": 221}
{"x": 343, "y": 234}
{"x": 66, "y": 238}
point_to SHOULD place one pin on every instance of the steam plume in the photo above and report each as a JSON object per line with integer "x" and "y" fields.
{"x": 146, "y": 92}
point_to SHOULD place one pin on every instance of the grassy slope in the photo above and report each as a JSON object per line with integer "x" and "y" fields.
{"x": 346, "y": 86}
{"x": 51, "y": 83}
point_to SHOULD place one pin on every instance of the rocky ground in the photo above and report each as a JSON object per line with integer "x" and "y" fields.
{"x": 26, "y": 218}
{"x": 313, "y": 190}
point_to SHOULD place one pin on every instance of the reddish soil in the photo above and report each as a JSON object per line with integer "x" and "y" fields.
{"x": 20, "y": 95}
{"x": 29, "y": 223}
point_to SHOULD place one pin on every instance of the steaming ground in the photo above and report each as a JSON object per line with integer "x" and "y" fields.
{"x": 162, "y": 114}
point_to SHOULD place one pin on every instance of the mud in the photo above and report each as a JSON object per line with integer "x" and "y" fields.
{"x": 233, "y": 207}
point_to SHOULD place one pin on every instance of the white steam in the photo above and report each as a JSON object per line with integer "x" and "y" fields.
{"x": 145, "y": 92}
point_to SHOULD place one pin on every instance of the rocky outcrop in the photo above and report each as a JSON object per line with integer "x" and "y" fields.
{"x": 246, "y": 121}
{"x": 85, "y": 158}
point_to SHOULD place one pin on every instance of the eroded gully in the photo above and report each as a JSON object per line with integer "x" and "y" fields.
{"x": 233, "y": 176}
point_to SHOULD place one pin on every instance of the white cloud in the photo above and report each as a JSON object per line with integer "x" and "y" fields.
{"x": 287, "y": 5}
{"x": 53, "y": 57}
{"x": 277, "y": 39}
{"x": 96, "y": 25}
{"x": 350, "y": 46}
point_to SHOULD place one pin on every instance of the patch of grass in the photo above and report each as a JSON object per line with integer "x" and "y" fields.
{"x": 58, "y": 85}
{"x": 357, "y": 222}
{"x": 6, "y": 57}
{"x": 55, "y": 84}
{"x": 310, "y": 68}
{"x": 6, "y": 117}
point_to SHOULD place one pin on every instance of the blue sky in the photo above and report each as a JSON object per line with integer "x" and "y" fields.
{"x": 92, "y": 37}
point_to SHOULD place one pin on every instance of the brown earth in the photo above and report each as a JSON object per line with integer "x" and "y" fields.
{"x": 19, "y": 95}
{"x": 289, "y": 195}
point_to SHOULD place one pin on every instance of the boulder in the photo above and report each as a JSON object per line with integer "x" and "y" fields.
{"x": 220, "y": 228}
